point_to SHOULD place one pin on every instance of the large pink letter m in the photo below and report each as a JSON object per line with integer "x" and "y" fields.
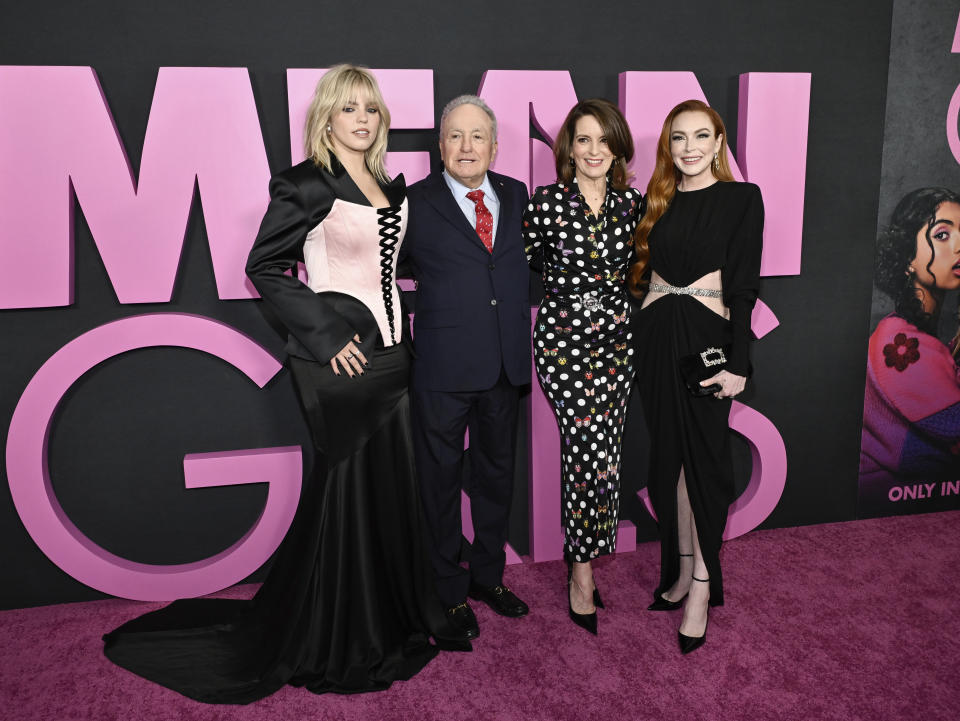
{"x": 58, "y": 137}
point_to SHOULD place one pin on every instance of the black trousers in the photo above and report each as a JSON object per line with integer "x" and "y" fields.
{"x": 440, "y": 419}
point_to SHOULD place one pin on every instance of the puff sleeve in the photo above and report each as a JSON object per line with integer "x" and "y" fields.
{"x": 277, "y": 249}
{"x": 741, "y": 277}
{"x": 916, "y": 376}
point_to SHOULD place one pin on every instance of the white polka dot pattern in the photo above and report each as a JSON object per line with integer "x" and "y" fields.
{"x": 582, "y": 350}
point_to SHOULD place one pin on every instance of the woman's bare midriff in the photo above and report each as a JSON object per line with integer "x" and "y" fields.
{"x": 710, "y": 281}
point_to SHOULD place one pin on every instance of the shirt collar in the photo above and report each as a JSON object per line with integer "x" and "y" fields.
{"x": 460, "y": 190}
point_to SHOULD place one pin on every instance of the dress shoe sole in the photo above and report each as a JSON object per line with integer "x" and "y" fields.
{"x": 449, "y": 644}
{"x": 508, "y": 613}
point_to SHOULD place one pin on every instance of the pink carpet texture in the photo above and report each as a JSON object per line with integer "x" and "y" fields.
{"x": 842, "y": 621}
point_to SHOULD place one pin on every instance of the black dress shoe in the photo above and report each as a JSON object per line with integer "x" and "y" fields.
{"x": 463, "y": 624}
{"x": 662, "y": 604}
{"x": 692, "y": 643}
{"x": 597, "y": 601}
{"x": 586, "y": 621}
{"x": 500, "y": 598}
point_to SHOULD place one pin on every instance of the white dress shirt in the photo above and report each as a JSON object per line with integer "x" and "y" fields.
{"x": 468, "y": 207}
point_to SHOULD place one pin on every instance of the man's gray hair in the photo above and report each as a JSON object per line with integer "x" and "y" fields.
{"x": 468, "y": 100}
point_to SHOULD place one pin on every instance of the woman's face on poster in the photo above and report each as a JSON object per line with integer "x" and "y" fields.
{"x": 944, "y": 234}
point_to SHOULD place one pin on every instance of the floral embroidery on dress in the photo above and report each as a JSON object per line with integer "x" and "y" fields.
{"x": 902, "y": 352}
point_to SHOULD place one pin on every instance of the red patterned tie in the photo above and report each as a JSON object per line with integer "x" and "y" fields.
{"x": 484, "y": 219}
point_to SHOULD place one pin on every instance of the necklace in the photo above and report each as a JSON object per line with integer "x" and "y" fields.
{"x": 599, "y": 220}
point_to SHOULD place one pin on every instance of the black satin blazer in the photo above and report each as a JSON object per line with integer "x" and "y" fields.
{"x": 320, "y": 324}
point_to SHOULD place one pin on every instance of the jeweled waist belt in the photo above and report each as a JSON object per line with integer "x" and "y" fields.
{"x": 686, "y": 290}
{"x": 590, "y": 300}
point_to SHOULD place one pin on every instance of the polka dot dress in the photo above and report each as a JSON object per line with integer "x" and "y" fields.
{"x": 582, "y": 349}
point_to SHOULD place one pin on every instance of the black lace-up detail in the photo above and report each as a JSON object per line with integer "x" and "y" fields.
{"x": 388, "y": 220}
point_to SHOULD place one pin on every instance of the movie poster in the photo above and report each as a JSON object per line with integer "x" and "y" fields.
{"x": 910, "y": 448}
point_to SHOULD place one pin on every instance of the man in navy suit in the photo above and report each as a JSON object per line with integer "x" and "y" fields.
{"x": 472, "y": 339}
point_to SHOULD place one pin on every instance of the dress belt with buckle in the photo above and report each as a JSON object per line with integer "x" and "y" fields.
{"x": 588, "y": 301}
{"x": 685, "y": 290}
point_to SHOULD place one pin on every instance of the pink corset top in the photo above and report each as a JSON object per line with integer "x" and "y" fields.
{"x": 353, "y": 250}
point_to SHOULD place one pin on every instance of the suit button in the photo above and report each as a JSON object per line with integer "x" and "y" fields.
{"x": 491, "y": 266}
{"x": 493, "y": 302}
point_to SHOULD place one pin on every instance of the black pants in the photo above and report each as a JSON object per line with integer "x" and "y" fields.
{"x": 440, "y": 420}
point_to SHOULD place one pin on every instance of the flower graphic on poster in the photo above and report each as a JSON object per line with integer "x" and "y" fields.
{"x": 902, "y": 352}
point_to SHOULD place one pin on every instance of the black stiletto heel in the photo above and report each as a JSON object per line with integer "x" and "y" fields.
{"x": 662, "y": 604}
{"x": 692, "y": 643}
{"x": 586, "y": 621}
{"x": 596, "y": 597}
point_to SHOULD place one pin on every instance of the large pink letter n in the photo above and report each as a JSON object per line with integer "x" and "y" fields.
{"x": 57, "y": 134}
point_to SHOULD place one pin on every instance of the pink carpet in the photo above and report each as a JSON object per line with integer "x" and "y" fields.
{"x": 842, "y": 621}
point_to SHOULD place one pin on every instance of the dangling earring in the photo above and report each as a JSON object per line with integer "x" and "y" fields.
{"x": 716, "y": 161}
{"x": 910, "y": 271}
{"x": 329, "y": 128}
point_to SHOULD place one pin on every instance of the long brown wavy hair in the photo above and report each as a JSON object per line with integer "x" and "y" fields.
{"x": 663, "y": 186}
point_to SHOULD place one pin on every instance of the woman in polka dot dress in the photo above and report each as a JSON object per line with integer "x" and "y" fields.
{"x": 580, "y": 230}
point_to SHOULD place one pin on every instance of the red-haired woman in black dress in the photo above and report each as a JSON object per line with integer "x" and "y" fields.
{"x": 698, "y": 250}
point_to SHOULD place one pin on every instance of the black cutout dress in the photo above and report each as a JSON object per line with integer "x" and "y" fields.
{"x": 717, "y": 227}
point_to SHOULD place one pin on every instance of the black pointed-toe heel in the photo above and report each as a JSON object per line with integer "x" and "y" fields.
{"x": 662, "y": 604}
{"x": 692, "y": 643}
{"x": 597, "y": 601}
{"x": 586, "y": 621}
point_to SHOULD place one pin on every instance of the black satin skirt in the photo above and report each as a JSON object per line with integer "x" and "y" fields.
{"x": 349, "y": 605}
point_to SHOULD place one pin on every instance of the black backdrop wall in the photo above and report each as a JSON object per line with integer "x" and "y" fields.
{"x": 116, "y": 447}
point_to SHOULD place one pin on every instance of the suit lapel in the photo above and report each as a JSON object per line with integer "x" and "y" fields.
{"x": 506, "y": 211}
{"x": 440, "y": 197}
{"x": 344, "y": 188}
{"x": 342, "y": 184}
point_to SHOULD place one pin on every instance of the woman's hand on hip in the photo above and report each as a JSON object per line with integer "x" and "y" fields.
{"x": 350, "y": 358}
{"x": 730, "y": 384}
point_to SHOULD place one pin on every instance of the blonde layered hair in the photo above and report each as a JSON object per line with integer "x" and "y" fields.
{"x": 340, "y": 85}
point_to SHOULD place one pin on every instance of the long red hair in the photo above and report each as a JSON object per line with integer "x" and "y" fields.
{"x": 663, "y": 186}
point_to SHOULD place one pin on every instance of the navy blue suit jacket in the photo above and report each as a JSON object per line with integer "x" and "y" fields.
{"x": 473, "y": 310}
